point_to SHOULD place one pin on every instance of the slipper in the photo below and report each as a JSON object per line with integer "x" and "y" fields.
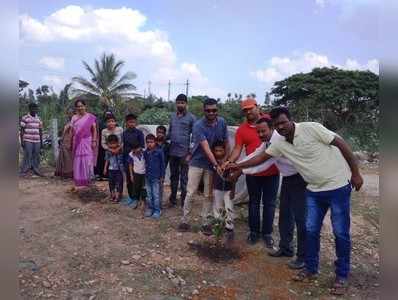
{"x": 339, "y": 287}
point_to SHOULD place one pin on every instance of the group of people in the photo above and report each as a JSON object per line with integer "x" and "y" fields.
{"x": 317, "y": 167}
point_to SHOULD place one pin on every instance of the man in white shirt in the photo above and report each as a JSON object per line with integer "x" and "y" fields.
{"x": 292, "y": 197}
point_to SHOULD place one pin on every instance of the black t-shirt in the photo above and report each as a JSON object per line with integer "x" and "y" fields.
{"x": 220, "y": 183}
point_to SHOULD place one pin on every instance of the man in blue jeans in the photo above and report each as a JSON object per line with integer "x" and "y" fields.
{"x": 328, "y": 165}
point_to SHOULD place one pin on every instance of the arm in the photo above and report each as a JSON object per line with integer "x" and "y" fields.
{"x": 262, "y": 157}
{"x": 41, "y": 135}
{"x": 103, "y": 140}
{"x": 106, "y": 166}
{"x": 162, "y": 165}
{"x": 356, "y": 179}
{"x": 21, "y": 133}
{"x": 131, "y": 166}
{"x": 94, "y": 136}
{"x": 141, "y": 139}
{"x": 206, "y": 148}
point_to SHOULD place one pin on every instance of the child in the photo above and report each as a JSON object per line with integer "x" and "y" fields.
{"x": 136, "y": 163}
{"x": 131, "y": 135}
{"x": 223, "y": 191}
{"x": 154, "y": 176}
{"x": 111, "y": 128}
{"x": 165, "y": 147}
{"x": 114, "y": 162}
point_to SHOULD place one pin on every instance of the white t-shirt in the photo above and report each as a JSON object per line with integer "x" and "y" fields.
{"x": 138, "y": 163}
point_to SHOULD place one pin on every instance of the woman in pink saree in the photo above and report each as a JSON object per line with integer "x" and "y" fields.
{"x": 84, "y": 145}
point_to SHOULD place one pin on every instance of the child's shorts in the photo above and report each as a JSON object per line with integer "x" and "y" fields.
{"x": 116, "y": 181}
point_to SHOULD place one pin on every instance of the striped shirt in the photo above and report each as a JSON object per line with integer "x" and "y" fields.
{"x": 31, "y": 125}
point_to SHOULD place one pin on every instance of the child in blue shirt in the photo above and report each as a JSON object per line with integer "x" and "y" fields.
{"x": 114, "y": 166}
{"x": 154, "y": 176}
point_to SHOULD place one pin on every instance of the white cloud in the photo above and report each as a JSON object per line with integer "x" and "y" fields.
{"x": 320, "y": 3}
{"x": 54, "y": 81}
{"x": 282, "y": 67}
{"x": 54, "y": 63}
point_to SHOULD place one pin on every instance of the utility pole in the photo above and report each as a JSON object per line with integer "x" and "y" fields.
{"x": 168, "y": 92}
{"x": 144, "y": 93}
{"x": 149, "y": 88}
{"x": 187, "y": 87}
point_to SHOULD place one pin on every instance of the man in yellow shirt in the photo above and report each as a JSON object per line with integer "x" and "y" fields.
{"x": 327, "y": 164}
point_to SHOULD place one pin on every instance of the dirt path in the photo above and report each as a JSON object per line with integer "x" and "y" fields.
{"x": 75, "y": 250}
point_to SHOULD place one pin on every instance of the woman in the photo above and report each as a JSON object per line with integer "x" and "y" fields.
{"x": 64, "y": 166}
{"x": 84, "y": 145}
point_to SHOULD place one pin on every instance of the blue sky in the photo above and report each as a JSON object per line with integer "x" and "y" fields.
{"x": 220, "y": 46}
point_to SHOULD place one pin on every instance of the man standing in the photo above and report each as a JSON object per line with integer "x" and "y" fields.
{"x": 180, "y": 132}
{"x": 262, "y": 186}
{"x": 328, "y": 165}
{"x": 206, "y": 131}
{"x": 31, "y": 140}
{"x": 292, "y": 197}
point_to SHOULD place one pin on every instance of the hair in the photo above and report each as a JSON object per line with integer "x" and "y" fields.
{"x": 131, "y": 117}
{"x": 280, "y": 110}
{"x": 110, "y": 117}
{"x": 135, "y": 145}
{"x": 32, "y": 105}
{"x": 265, "y": 120}
{"x": 182, "y": 97}
{"x": 161, "y": 127}
{"x": 112, "y": 138}
{"x": 150, "y": 137}
{"x": 209, "y": 101}
{"x": 80, "y": 101}
{"x": 218, "y": 143}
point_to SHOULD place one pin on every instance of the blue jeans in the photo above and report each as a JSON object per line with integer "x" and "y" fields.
{"x": 318, "y": 204}
{"x": 153, "y": 194}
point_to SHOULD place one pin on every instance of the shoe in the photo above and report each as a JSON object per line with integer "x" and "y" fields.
{"x": 156, "y": 215}
{"x": 148, "y": 213}
{"x": 133, "y": 204}
{"x": 252, "y": 238}
{"x": 206, "y": 229}
{"x": 304, "y": 276}
{"x": 296, "y": 264}
{"x": 340, "y": 286}
{"x": 184, "y": 227}
{"x": 268, "y": 241}
{"x": 279, "y": 253}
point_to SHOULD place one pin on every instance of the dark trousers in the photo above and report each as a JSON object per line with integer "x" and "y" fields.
{"x": 263, "y": 188}
{"x": 318, "y": 203}
{"x": 31, "y": 157}
{"x": 178, "y": 174}
{"x": 292, "y": 210}
{"x": 136, "y": 190}
{"x": 116, "y": 181}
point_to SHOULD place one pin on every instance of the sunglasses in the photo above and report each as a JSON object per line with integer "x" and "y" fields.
{"x": 211, "y": 110}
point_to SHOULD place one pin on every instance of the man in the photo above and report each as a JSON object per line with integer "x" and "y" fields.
{"x": 31, "y": 140}
{"x": 328, "y": 165}
{"x": 292, "y": 197}
{"x": 262, "y": 186}
{"x": 206, "y": 131}
{"x": 180, "y": 132}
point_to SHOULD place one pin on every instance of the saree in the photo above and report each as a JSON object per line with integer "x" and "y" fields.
{"x": 64, "y": 165}
{"x": 84, "y": 157}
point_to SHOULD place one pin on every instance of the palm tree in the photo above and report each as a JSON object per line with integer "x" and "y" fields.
{"x": 105, "y": 84}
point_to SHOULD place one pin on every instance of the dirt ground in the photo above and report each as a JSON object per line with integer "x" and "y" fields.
{"x": 92, "y": 249}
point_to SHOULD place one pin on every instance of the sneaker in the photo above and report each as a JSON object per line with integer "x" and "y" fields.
{"x": 148, "y": 213}
{"x": 252, "y": 238}
{"x": 156, "y": 215}
{"x": 279, "y": 253}
{"x": 296, "y": 264}
{"x": 133, "y": 204}
{"x": 268, "y": 241}
{"x": 304, "y": 276}
{"x": 184, "y": 227}
{"x": 206, "y": 229}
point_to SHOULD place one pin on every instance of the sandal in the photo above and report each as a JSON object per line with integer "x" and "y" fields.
{"x": 304, "y": 276}
{"x": 339, "y": 287}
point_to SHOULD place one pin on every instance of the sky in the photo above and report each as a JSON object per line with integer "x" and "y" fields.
{"x": 220, "y": 46}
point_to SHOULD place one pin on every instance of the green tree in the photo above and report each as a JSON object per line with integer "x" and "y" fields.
{"x": 155, "y": 115}
{"x": 106, "y": 85}
{"x": 344, "y": 101}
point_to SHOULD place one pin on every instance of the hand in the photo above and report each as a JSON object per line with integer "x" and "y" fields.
{"x": 104, "y": 172}
{"x": 131, "y": 178}
{"x": 356, "y": 181}
{"x": 225, "y": 164}
{"x": 232, "y": 166}
{"x": 219, "y": 170}
{"x": 188, "y": 158}
{"x": 23, "y": 145}
{"x": 233, "y": 176}
{"x": 93, "y": 144}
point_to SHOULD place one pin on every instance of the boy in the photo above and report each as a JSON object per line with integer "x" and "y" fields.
{"x": 31, "y": 140}
{"x": 154, "y": 176}
{"x": 114, "y": 162}
{"x": 131, "y": 135}
{"x": 111, "y": 128}
{"x": 165, "y": 147}
{"x": 136, "y": 163}
{"x": 223, "y": 191}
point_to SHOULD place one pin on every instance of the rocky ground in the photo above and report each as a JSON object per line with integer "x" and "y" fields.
{"x": 86, "y": 248}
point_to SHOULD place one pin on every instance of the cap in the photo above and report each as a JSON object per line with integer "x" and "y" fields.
{"x": 248, "y": 103}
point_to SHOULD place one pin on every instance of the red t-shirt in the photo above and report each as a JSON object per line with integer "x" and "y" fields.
{"x": 246, "y": 135}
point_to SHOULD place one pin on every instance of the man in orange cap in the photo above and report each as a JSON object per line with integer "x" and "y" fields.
{"x": 262, "y": 186}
